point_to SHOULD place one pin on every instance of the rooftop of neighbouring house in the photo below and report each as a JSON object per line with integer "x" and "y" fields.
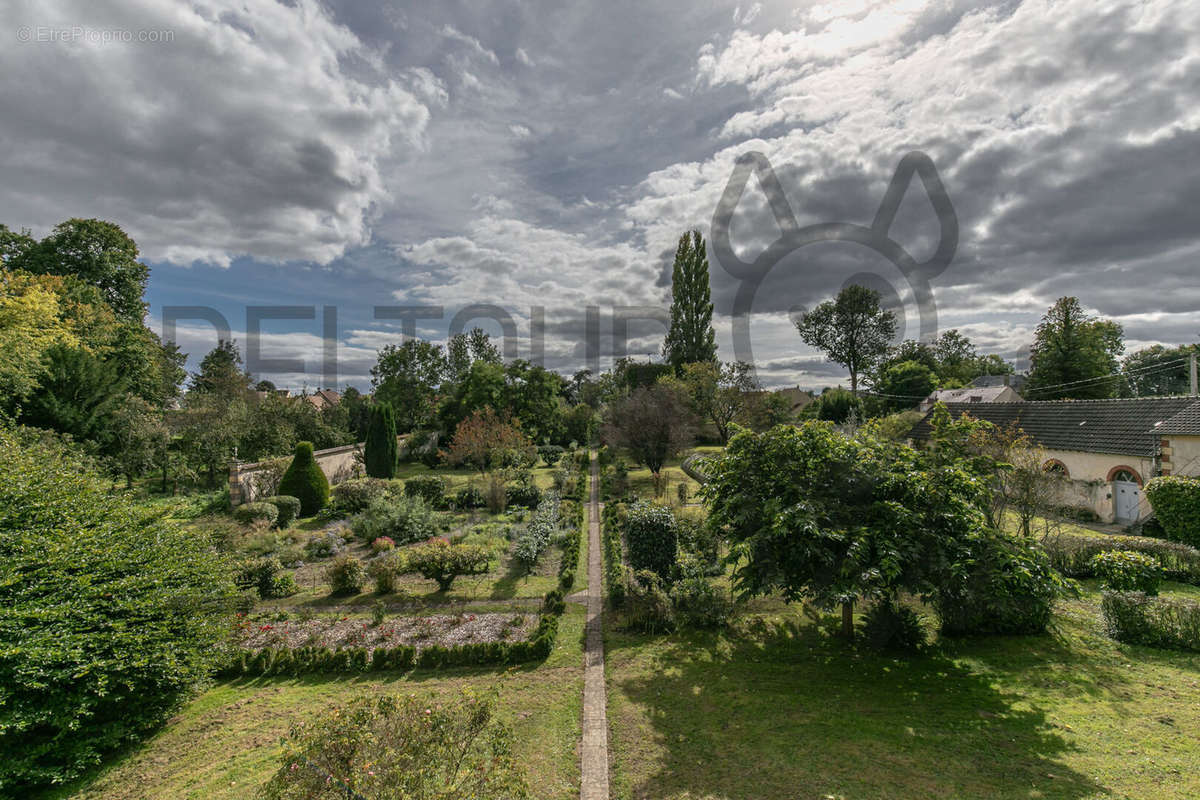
{"x": 1131, "y": 426}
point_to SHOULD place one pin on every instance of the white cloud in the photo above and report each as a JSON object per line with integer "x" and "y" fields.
{"x": 257, "y": 130}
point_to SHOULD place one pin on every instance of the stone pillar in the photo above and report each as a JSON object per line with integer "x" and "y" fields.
{"x": 235, "y": 484}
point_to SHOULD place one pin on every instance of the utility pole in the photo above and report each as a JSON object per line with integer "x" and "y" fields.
{"x": 1192, "y": 372}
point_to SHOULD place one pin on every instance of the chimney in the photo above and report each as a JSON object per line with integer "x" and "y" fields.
{"x": 1007, "y": 378}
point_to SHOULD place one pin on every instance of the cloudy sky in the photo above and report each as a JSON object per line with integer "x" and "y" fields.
{"x": 335, "y": 162}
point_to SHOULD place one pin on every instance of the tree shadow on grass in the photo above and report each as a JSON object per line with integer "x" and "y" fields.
{"x": 785, "y": 711}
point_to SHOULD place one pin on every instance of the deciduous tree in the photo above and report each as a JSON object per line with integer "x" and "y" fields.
{"x": 653, "y": 423}
{"x": 1071, "y": 351}
{"x": 853, "y": 330}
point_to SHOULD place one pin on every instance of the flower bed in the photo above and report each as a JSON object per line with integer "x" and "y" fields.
{"x": 337, "y": 632}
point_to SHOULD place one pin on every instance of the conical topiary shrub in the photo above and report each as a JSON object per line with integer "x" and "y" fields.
{"x": 305, "y": 480}
{"x": 380, "y": 456}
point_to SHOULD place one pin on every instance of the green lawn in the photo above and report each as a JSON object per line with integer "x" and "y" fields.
{"x": 778, "y": 708}
{"x": 224, "y": 744}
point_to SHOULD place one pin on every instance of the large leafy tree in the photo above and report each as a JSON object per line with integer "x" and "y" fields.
{"x": 408, "y": 377}
{"x": 721, "y": 393}
{"x": 486, "y": 439}
{"x": 817, "y": 515}
{"x": 221, "y": 374}
{"x": 853, "y": 330}
{"x": 108, "y": 617}
{"x": 691, "y": 337}
{"x": 1157, "y": 370}
{"x": 653, "y": 423}
{"x": 904, "y": 384}
{"x": 78, "y": 394}
{"x": 98, "y": 253}
{"x": 32, "y": 321}
{"x": 13, "y": 244}
{"x": 1072, "y": 354}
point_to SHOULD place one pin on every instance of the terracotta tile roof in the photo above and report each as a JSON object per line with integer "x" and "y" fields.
{"x": 1131, "y": 426}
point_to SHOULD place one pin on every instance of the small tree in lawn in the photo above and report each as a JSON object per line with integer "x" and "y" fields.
{"x": 815, "y": 514}
{"x": 719, "y": 392}
{"x": 653, "y": 423}
{"x": 379, "y": 457}
{"x": 853, "y": 329}
{"x": 485, "y": 440}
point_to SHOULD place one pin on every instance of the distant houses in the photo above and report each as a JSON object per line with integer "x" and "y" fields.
{"x": 985, "y": 389}
{"x": 1105, "y": 449}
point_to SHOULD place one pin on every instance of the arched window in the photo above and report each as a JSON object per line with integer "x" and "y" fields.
{"x": 1056, "y": 467}
{"x": 1126, "y": 474}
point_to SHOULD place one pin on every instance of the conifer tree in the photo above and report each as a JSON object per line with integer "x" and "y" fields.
{"x": 380, "y": 456}
{"x": 691, "y": 338}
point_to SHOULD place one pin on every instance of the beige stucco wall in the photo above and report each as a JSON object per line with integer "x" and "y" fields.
{"x": 1089, "y": 486}
{"x": 338, "y": 464}
{"x": 1182, "y": 455}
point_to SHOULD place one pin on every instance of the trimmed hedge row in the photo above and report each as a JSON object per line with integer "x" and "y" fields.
{"x": 1172, "y": 623}
{"x": 304, "y": 660}
{"x": 1074, "y": 556}
{"x": 616, "y": 579}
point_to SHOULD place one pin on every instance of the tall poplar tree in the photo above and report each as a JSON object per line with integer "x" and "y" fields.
{"x": 691, "y": 338}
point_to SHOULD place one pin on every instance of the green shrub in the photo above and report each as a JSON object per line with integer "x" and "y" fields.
{"x": 108, "y": 616}
{"x": 401, "y": 519}
{"x": 263, "y": 575}
{"x": 890, "y": 626}
{"x": 1176, "y": 503}
{"x": 305, "y": 480}
{"x": 651, "y": 534}
{"x": 346, "y": 575}
{"x": 415, "y": 746}
{"x": 385, "y": 569}
{"x": 1170, "y": 623}
{"x": 615, "y": 579}
{"x": 523, "y": 496}
{"x": 379, "y": 450}
{"x": 430, "y": 488}
{"x": 438, "y": 560}
{"x": 550, "y": 454}
{"x": 998, "y": 586}
{"x": 469, "y": 497}
{"x": 699, "y": 604}
{"x": 256, "y": 513}
{"x": 700, "y": 541}
{"x": 1073, "y": 555}
{"x": 284, "y": 585}
{"x": 1127, "y": 571}
{"x": 356, "y": 495}
{"x": 647, "y": 607}
{"x": 288, "y": 507}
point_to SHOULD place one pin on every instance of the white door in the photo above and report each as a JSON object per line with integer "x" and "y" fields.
{"x": 1126, "y": 497}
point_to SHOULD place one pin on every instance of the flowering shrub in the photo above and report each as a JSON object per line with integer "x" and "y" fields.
{"x": 324, "y": 545}
{"x": 382, "y": 544}
{"x": 1127, "y": 571}
{"x": 534, "y": 540}
{"x": 438, "y": 560}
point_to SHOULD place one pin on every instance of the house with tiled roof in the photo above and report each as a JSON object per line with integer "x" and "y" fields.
{"x": 1106, "y": 449}
{"x": 324, "y": 398}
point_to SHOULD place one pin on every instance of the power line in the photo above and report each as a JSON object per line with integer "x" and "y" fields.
{"x": 1165, "y": 366}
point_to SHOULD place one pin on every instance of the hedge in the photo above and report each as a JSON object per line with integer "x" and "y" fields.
{"x": 616, "y": 578}
{"x": 1176, "y": 503}
{"x": 250, "y": 513}
{"x": 305, "y": 480}
{"x": 652, "y": 538}
{"x": 431, "y": 488}
{"x": 1172, "y": 623}
{"x": 287, "y": 506}
{"x": 1073, "y": 555}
